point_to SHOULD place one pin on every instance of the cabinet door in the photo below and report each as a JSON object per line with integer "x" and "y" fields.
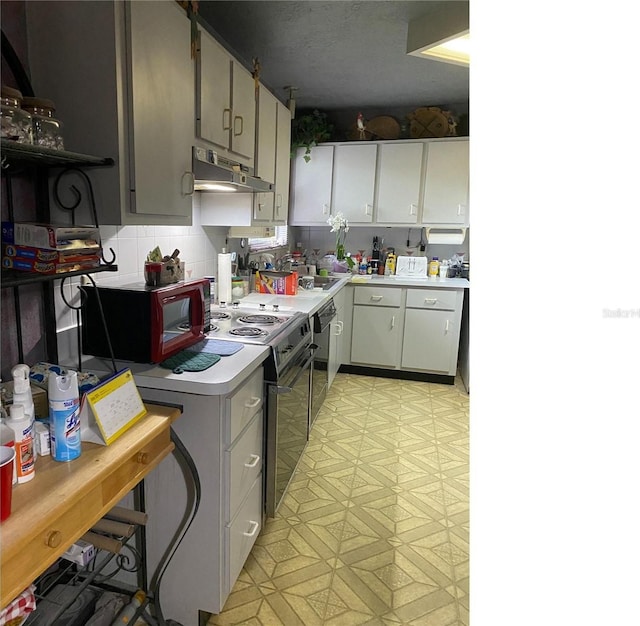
{"x": 265, "y": 164}
{"x": 213, "y": 115}
{"x": 354, "y": 172}
{"x": 162, "y": 90}
{"x": 429, "y": 337}
{"x": 283, "y": 164}
{"x": 311, "y": 202}
{"x": 263, "y": 207}
{"x": 446, "y": 192}
{"x": 375, "y": 335}
{"x": 243, "y": 105}
{"x": 399, "y": 183}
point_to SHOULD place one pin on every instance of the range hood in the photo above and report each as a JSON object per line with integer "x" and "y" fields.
{"x": 214, "y": 172}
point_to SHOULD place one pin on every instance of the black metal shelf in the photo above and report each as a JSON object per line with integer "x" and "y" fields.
{"x": 20, "y": 153}
{"x": 15, "y": 278}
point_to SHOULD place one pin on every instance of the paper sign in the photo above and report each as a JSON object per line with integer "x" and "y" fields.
{"x": 111, "y": 408}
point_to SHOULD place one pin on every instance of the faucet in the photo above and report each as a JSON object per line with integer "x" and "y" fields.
{"x": 282, "y": 261}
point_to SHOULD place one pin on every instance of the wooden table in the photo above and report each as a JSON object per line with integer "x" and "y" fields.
{"x": 64, "y": 500}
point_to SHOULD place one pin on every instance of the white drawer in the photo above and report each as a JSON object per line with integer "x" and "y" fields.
{"x": 377, "y": 296}
{"x": 444, "y": 299}
{"x": 244, "y": 404}
{"x": 244, "y": 461}
{"x": 243, "y": 531}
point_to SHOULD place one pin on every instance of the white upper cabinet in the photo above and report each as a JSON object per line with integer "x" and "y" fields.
{"x": 399, "y": 183}
{"x": 122, "y": 78}
{"x": 354, "y": 175}
{"x": 446, "y": 184}
{"x": 265, "y": 166}
{"x": 311, "y": 186}
{"x": 283, "y": 163}
{"x": 226, "y": 103}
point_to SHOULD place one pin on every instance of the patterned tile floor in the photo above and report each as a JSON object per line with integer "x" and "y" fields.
{"x": 374, "y": 528}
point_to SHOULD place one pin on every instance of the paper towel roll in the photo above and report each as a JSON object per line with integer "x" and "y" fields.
{"x": 446, "y": 236}
{"x": 224, "y": 277}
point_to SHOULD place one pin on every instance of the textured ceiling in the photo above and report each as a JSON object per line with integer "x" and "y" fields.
{"x": 339, "y": 54}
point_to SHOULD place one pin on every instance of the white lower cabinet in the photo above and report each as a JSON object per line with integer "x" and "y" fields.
{"x": 377, "y": 326}
{"x": 224, "y": 436}
{"x": 406, "y": 329}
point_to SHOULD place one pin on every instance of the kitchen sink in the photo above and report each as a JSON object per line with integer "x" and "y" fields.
{"x": 326, "y": 282}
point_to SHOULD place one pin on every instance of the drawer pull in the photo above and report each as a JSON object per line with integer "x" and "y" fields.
{"x": 54, "y": 539}
{"x": 253, "y": 403}
{"x": 377, "y": 298}
{"x": 143, "y": 458}
{"x": 254, "y": 529}
{"x": 255, "y": 459}
{"x": 430, "y": 300}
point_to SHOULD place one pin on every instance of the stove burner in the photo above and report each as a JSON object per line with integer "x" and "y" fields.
{"x": 259, "y": 319}
{"x": 220, "y": 315}
{"x": 214, "y": 328}
{"x": 184, "y": 326}
{"x": 248, "y": 331}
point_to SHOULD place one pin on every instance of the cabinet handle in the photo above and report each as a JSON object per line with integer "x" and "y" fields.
{"x": 339, "y": 326}
{"x": 235, "y": 125}
{"x": 461, "y": 209}
{"x": 393, "y": 322}
{"x": 377, "y": 298}
{"x": 413, "y": 209}
{"x": 325, "y": 209}
{"x": 446, "y": 328}
{"x": 368, "y": 208}
{"x": 53, "y": 539}
{"x": 278, "y": 202}
{"x": 255, "y": 460}
{"x": 143, "y": 458}
{"x": 192, "y": 183}
{"x": 226, "y": 125}
{"x": 430, "y": 300}
{"x": 253, "y": 403}
{"x": 254, "y": 529}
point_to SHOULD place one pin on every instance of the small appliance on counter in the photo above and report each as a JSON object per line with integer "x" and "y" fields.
{"x": 145, "y": 324}
{"x": 412, "y": 266}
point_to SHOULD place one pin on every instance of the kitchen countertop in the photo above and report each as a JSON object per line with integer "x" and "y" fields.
{"x": 219, "y": 379}
{"x": 223, "y": 377}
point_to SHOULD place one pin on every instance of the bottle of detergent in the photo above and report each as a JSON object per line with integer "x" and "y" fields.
{"x": 22, "y": 426}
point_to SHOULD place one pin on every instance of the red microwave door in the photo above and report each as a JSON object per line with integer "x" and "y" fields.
{"x": 177, "y": 319}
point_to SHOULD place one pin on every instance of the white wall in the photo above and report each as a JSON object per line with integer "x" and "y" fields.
{"x": 199, "y": 247}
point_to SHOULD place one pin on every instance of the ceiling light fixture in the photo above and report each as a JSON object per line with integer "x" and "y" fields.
{"x": 442, "y": 35}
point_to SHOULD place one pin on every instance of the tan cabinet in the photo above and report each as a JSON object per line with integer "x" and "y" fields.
{"x": 446, "y": 183}
{"x": 134, "y": 103}
{"x": 283, "y": 164}
{"x": 226, "y": 103}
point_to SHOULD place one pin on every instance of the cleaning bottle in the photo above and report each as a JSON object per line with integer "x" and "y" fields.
{"x": 22, "y": 389}
{"x": 7, "y": 438}
{"x": 22, "y": 426}
{"x": 125, "y": 615}
{"x": 64, "y": 416}
{"x": 434, "y": 267}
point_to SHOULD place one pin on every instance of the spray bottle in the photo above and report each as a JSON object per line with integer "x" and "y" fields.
{"x": 22, "y": 426}
{"x": 22, "y": 389}
{"x": 7, "y": 437}
{"x": 64, "y": 416}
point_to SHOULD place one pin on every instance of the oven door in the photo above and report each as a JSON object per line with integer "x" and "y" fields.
{"x": 287, "y": 426}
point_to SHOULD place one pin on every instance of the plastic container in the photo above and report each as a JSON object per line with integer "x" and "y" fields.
{"x": 22, "y": 389}
{"x": 7, "y": 438}
{"x": 22, "y": 426}
{"x": 434, "y": 267}
{"x": 64, "y": 416}
{"x": 16, "y": 123}
{"x": 47, "y": 130}
{"x": 125, "y": 615}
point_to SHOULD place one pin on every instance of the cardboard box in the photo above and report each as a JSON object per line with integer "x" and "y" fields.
{"x": 49, "y": 267}
{"x": 45, "y": 255}
{"x": 50, "y": 236}
{"x": 278, "y": 283}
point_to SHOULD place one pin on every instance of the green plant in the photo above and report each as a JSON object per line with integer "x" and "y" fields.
{"x": 309, "y": 130}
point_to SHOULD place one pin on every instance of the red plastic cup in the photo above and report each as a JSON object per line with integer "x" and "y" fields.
{"x": 6, "y": 476}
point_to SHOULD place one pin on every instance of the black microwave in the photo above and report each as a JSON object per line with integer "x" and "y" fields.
{"x": 144, "y": 324}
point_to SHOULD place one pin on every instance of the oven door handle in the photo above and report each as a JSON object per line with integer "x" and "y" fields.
{"x": 278, "y": 389}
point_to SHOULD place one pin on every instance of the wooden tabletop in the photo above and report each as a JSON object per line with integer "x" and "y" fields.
{"x": 64, "y": 500}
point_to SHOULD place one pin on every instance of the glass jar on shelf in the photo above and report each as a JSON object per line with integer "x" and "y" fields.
{"x": 17, "y": 124}
{"x": 47, "y": 130}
